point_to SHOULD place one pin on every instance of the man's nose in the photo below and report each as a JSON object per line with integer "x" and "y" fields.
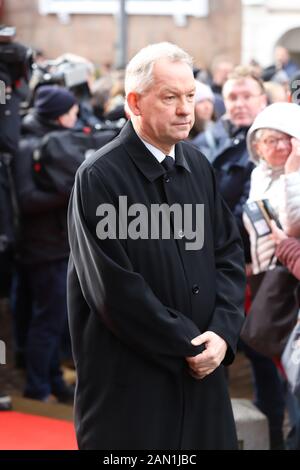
{"x": 184, "y": 107}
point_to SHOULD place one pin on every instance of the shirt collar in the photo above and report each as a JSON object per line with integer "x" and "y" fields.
{"x": 158, "y": 154}
{"x": 143, "y": 158}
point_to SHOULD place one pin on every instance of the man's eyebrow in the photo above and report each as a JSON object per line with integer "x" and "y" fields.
{"x": 177, "y": 91}
{"x": 168, "y": 89}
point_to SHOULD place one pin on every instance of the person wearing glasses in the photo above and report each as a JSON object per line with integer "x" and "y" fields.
{"x": 224, "y": 144}
{"x": 274, "y": 147}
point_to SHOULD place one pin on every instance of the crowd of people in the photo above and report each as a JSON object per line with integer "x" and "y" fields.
{"x": 247, "y": 129}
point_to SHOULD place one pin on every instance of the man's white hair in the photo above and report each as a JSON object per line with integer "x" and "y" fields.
{"x": 139, "y": 70}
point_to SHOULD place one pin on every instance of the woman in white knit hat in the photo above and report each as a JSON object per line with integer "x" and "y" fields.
{"x": 274, "y": 146}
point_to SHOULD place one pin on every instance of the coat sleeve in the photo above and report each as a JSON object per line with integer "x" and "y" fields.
{"x": 113, "y": 290}
{"x": 208, "y": 149}
{"x": 289, "y": 208}
{"x": 238, "y": 213}
{"x": 288, "y": 253}
{"x": 228, "y": 316}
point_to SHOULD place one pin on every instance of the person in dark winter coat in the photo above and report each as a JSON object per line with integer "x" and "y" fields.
{"x": 39, "y": 300}
{"x": 44, "y": 212}
{"x": 153, "y": 316}
{"x": 225, "y": 146}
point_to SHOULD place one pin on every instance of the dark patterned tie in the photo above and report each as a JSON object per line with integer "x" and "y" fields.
{"x": 168, "y": 163}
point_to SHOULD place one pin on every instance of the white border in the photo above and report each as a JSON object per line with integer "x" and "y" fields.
{"x": 273, "y": 5}
{"x": 198, "y": 8}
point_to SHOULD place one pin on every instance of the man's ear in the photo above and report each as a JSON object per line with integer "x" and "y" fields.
{"x": 133, "y": 101}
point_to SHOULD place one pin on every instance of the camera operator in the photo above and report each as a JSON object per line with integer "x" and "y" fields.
{"x": 15, "y": 60}
{"x": 15, "y": 65}
{"x": 43, "y": 251}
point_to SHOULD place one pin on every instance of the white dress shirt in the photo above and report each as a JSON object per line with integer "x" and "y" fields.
{"x": 158, "y": 154}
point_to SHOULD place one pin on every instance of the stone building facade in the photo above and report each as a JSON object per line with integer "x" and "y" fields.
{"x": 266, "y": 23}
{"x": 205, "y": 28}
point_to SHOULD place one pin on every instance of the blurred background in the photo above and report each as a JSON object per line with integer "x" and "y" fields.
{"x": 62, "y": 63}
{"x": 242, "y": 29}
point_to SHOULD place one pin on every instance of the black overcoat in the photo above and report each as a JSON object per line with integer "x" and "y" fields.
{"x": 135, "y": 305}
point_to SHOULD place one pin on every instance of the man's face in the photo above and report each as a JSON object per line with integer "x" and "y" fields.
{"x": 164, "y": 113}
{"x": 243, "y": 100}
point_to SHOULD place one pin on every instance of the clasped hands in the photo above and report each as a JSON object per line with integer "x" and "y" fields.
{"x": 206, "y": 362}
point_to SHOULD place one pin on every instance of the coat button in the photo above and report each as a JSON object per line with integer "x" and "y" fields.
{"x": 166, "y": 178}
{"x": 236, "y": 141}
{"x": 195, "y": 289}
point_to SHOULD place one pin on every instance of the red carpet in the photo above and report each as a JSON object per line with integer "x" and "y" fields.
{"x": 20, "y": 431}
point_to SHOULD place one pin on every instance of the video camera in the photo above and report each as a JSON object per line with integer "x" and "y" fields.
{"x": 62, "y": 72}
{"x": 15, "y": 59}
{"x": 73, "y": 72}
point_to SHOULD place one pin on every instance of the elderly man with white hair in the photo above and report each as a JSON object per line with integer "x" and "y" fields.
{"x": 152, "y": 318}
